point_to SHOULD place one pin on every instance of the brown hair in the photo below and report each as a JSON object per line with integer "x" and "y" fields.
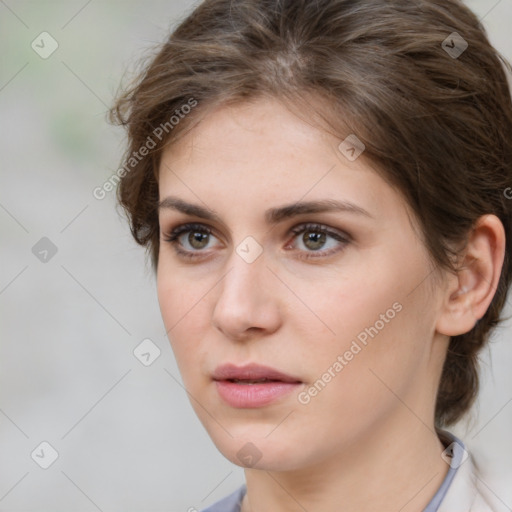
{"x": 434, "y": 115}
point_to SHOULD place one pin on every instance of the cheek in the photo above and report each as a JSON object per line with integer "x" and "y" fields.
{"x": 345, "y": 307}
{"x": 180, "y": 295}
{"x": 370, "y": 320}
{"x": 184, "y": 317}
{"x": 354, "y": 382}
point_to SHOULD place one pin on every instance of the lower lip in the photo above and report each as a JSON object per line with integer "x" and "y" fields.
{"x": 253, "y": 395}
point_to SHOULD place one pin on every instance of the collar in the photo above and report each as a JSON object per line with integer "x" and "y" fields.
{"x": 468, "y": 491}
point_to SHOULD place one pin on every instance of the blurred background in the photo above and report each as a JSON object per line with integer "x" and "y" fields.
{"x": 88, "y": 419}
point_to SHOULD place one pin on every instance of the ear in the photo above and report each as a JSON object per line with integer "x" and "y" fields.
{"x": 469, "y": 293}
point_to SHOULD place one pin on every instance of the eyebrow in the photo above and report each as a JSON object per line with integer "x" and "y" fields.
{"x": 272, "y": 215}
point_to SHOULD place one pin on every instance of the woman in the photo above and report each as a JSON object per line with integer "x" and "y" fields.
{"x": 322, "y": 187}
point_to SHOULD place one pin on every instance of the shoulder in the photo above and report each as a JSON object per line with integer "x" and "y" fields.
{"x": 230, "y": 503}
{"x": 471, "y": 490}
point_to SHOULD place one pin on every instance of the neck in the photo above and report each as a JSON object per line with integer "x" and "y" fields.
{"x": 380, "y": 471}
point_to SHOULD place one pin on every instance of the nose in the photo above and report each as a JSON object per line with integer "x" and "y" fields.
{"x": 248, "y": 303}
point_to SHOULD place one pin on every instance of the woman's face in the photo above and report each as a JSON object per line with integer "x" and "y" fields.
{"x": 339, "y": 300}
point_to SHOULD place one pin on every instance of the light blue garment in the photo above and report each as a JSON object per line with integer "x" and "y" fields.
{"x": 232, "y": 503}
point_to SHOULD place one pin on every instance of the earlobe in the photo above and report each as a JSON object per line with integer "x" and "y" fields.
{"x": 469, "y": 297}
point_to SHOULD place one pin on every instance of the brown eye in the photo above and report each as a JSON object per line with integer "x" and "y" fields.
{"x": 197, "y": 239}
{"x": 190, "y": 239}
{"x": 318, "y": 241}
{"x": 314, "y": 241}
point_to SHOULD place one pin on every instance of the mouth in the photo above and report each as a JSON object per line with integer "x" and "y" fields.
{"x": 246, "y": 381}
{"x": 251, "y": 374}
{"x": 252, "y": 385}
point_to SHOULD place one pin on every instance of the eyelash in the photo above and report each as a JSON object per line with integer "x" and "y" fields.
{"x": 173, "y": 236}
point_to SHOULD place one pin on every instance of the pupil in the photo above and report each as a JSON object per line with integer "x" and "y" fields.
{"x": 195, "y": 239}
{"x": 317, "y": 240}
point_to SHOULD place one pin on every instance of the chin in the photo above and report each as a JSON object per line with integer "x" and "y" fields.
{"x": 258, "y": 451}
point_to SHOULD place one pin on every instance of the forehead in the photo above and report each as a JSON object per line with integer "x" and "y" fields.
{"x": 247, "y": 154}
{"x": 260, "y": 129}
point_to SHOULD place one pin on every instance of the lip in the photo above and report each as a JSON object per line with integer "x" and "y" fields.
{"x": 244, "y": 395}
{"x": 251, "y": 372}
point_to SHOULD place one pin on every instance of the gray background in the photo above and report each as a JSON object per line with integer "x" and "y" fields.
{"x": 126, "y": 436}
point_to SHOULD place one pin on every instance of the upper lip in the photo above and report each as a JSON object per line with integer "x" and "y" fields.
{"x": 251, "y": 372}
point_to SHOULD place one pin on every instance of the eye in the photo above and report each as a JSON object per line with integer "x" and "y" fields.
{"x": 315, "y": 237}
{"x": 198, "y": 236}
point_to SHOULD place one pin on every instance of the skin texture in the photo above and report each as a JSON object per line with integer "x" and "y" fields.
{"x": 367, "y": 440}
